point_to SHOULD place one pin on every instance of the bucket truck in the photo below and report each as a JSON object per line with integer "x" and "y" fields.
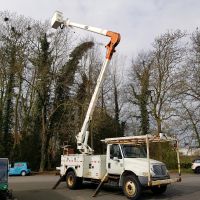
{"x": 127, "y": 160}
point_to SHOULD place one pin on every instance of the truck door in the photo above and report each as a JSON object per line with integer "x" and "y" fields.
{"x": 114, "y": 159}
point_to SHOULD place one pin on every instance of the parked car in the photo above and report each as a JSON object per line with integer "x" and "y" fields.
{"x": 196, "y": 166}
{"x": 19, "y": 168}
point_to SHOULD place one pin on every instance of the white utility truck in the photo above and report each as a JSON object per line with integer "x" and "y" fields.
{"x": 127, "y": 160}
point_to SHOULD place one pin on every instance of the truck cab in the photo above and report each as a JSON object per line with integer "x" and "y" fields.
{"x": 125, "y": 158}
{"x": 128, "y": 157}
{"x": 128, "y": 161}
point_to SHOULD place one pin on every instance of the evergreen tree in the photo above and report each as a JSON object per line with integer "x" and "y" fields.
{"x": 43, "y": 62}
{"x": 63, "y": 102}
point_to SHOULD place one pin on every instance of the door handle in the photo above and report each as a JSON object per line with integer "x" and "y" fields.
{"x": 109, "y": 165}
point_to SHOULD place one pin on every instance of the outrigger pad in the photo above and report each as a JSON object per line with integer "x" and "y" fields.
{"x": 61, "y": 179}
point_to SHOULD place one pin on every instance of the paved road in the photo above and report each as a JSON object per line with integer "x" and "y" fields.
{"x": 39, "y": 188}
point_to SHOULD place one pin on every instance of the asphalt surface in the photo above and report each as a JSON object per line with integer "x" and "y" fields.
{"x": 38, "y": 187}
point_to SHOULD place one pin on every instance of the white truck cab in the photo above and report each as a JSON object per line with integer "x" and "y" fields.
{"x": 124, "y": 158}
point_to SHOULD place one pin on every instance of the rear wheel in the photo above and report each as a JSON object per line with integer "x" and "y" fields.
{"x": 197, "y": 170}
{"x": 73, "y": 181}
{"x": 23, "y": 173}
{"x": 131, "y": 187}
{"x": 159, "y": 189}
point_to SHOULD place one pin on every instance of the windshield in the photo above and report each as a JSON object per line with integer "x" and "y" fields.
{"x": 133, "y": 151}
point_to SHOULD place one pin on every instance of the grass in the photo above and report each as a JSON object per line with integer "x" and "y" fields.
{"x": 183, "y": 171}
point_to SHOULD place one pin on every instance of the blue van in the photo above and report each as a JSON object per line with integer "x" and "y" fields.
{"x": 19, "y": 168}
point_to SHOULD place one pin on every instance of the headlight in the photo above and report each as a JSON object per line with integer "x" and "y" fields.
{"x": 5, "y": 187}
{"x": 145, "y": 173}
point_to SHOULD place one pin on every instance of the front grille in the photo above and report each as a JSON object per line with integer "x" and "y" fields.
{"x": 160, "y": 170}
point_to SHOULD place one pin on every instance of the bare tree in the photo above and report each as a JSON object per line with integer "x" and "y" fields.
{"x": 189, "y": 106}
{"x": 139, "y": 90}
{"x": 13, "y": 45}
{"x": 164, "y": 81}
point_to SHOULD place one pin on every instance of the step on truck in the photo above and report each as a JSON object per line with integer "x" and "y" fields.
{"x": 127, "y": 160}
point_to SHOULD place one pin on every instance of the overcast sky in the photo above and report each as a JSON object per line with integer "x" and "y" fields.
{"x": 138, "y": 21}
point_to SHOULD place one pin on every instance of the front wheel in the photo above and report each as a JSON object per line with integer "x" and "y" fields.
{"x": 159, "y": 189}
{"x": 131, "y": 187}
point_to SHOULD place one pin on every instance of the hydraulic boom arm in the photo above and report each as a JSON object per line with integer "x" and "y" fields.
{"x": 58, "y": 21}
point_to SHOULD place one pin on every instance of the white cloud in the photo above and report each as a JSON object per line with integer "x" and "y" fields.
{"x": 138, "y": 21}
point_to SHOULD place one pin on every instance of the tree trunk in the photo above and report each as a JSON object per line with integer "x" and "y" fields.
{"x": 43, "y": 142}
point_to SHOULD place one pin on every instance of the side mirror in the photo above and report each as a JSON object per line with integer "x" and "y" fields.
{"x": 116, "y": 159}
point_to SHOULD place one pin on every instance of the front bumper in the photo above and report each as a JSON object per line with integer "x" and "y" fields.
{"x": 165, "y": 181}
{"x": 157, "y": 180}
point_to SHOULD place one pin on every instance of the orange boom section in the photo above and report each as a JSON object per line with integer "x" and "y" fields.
{"x": 115, "y": 39}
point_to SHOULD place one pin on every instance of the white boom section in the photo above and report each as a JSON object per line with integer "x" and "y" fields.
{"x": 58, "y": 21}
{"x": 85, "y": 27}
{"x": 82, "y": 137}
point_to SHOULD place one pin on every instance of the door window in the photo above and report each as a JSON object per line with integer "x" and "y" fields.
{"x": 115, "y": 151}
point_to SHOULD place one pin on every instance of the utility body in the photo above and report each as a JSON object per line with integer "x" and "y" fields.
{"x": 127, "y": 160}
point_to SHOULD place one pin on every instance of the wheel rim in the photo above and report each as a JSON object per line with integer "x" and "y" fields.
{"x": 70, "y": 180}
{"x": 130, "y": 188}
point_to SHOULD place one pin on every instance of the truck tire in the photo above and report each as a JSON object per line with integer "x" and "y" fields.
{"x": 73, "y": 182}
{"x": 159, "y": 189}
{"x": 197, "y": 170}
{"x": 131, "y": 187}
